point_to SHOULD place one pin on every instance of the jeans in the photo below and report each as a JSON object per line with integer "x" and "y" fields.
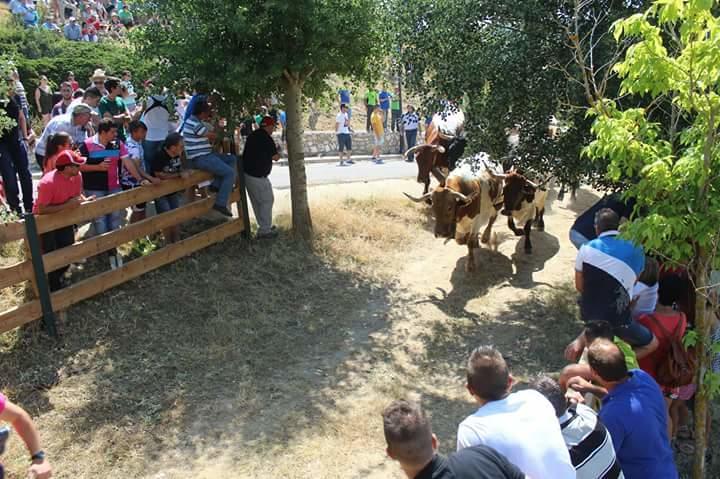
{"x": 110, "y": 221}
{"x": 634, "y": 333}
{"x": 262, "y": 198}
{"x": 410, "y": 139}
{"x": 51, "y": 241}
{"x": 167, "y": 203}
{"x": 224, "y": 168}
{"x": 13, "y": 166}
{"x": 150, "y": 150}
{"x": 577, "y": 239}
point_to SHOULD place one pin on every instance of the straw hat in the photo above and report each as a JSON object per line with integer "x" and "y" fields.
{"x": 98, "y": 75}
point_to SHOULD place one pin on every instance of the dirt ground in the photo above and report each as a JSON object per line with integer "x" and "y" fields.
{"x": 275, "y": 360}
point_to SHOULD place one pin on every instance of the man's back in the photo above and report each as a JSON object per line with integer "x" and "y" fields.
{"x": 590, "y": 445}
{"x": 610, "y": 267}
{"x": 635, "y": 414}
{"x": 478, "y": 462}
{"x": 523, "y": 427}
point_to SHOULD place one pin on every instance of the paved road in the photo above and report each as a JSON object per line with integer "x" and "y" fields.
{"x": 362, "y": 170}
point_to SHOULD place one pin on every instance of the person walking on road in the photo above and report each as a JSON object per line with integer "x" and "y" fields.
{"x": 371, "y": 101}
{"x": 342, "y": 128}
{"x": 258, "y": 156}
{"x": 378, "y": 134}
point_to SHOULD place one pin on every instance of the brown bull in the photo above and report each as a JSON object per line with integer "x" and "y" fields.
{"x": 443, "y": 146}
{"x": 463, "y": 206}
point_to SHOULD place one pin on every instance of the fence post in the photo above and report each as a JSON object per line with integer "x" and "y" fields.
{"x": 242, "y": 205}
{"x": 36, "y": 256}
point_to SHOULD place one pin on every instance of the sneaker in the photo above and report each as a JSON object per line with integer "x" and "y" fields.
{"x": 379, "y": 161}
{"x": 350, "y": 162}
{"x": 409, "y": 161}
{"x": 118, "y": 260}
{"x": 272, "y": 234}
{"x": 223, "y": 210}
{"x": 342, "y": 163}
{"x": 113, "y": 262}
{"x": 213, "y": 189}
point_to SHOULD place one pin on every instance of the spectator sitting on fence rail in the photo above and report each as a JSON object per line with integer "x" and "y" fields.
{"x": 60, "y": 190}
{"x": 22, "y": 423}
{"x": 166, "y": 165}
{"x": 198, "y": 137}
{"x": 100, "y": 175}
{"x": 133, "y": 174}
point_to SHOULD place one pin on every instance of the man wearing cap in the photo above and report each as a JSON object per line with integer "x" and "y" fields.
{"x": 72, "y": 30}
{"x": 258, "y": 156}
{"x": 60, "y": 190}
{"x": 74, "y": 124}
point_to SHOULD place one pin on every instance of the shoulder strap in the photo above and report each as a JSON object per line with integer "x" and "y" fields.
{"x": 660, "y": 325}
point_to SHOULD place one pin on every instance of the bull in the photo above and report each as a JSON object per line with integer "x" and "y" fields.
{"x": 463, "y": 203}
{"x": 524, "y": 202}
{"x": 444, "y": 145}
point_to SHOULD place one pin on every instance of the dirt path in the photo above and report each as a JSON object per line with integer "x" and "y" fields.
{"x": 275, "y": 361}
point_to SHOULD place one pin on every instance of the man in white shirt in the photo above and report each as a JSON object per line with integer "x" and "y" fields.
{"x": 522, "y": 425}
{"x": 342, "y": 128}
{"x": 410, "y": 121}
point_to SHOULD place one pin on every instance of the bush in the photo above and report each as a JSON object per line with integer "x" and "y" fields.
{"x": 39, "y": 52}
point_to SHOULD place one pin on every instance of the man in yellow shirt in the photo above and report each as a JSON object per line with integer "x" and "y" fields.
{"x": 376, "y": 120}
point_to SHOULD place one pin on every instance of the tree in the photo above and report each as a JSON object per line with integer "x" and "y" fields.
{"x": 674, "y": 57}
{"x": 249, "y": 49}
{"x": 514, "y": 63}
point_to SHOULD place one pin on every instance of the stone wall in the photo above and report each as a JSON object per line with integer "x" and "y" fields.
{"x": 324, "y": 143}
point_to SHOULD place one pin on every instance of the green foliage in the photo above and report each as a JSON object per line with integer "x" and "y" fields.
{"x": 242, "y": 49}
{"x": 38, "y": 52}
{"x": 512, "y": 63}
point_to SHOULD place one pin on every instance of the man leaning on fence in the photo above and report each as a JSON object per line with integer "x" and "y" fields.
{"x": 60, "y": 190}
{"x": 198, "y": 137}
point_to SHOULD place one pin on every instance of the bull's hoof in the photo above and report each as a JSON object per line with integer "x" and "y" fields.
{"x": 528, "y": 250}
{"x": 469, "y": 266}
{"x": 540, "y": 227}
{"x": 428, "y": 202}
{"x": 485, "y": 239}
{"x": 519, "y": 233}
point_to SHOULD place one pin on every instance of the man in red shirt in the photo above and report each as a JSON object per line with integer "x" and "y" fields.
{"x": 60, "y": 190}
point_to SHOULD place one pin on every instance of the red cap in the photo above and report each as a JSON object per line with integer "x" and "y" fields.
{"x": 69, "y": 157}
{"x": 267, "y": 121}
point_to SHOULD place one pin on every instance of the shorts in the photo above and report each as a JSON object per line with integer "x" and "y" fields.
{"x": 167, "y": 203}
{"x": 138, "y": 207}
{"x": 378, "y": 140}
{"x": 683, "y": 393}
{"x": 634, "y": 333}
{"x": 344, "y": 142}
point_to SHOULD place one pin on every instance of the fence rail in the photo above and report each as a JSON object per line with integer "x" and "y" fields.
{"x": 33, "y": 269}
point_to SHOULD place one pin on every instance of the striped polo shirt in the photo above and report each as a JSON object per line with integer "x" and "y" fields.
{"x": 590, "y": 445}
{"x": 610, "y": 267}
{"x": 196, "y": 143}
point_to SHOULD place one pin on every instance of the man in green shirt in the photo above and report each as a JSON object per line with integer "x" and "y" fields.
{"x": 112, "y": 106}
{"x": 395, "y": 112}
{"x": 371, "y": 99}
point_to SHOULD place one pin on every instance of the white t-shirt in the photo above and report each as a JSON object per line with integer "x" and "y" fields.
{"x": 524, "y": 428}
{"x": 156, "y": 118}
{"x": 344, "y": 124}
{"x": 646, "y": 297}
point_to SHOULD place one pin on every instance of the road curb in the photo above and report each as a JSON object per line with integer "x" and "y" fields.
{"x": 336, "y": 159}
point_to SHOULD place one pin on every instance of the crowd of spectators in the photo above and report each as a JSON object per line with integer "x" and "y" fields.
{"x": 76, "y": 20}
{"x": 617, "y": 410}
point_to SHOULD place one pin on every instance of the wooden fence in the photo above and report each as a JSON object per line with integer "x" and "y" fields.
{"x": 35, "y": 267}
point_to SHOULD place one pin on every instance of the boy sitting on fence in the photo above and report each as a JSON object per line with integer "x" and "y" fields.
{"x": 167, "y": 165}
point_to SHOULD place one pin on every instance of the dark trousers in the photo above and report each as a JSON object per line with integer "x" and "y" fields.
{"x": 13, "y": 166}
{"x": 40, "y": 159}
{"x": 411, "y": 138}
{"x": 51, "y": 241}
{"x": 395, "y": 120}
{"x": 370, "y": 109}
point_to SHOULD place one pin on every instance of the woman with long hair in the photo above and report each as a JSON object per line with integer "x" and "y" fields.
{"x": 44, "y": 100}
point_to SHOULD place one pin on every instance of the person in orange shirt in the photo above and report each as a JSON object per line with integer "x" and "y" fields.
{"x": 376, "y": 120}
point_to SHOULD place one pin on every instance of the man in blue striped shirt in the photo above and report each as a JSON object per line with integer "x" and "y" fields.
{"x": 198, "y": 136}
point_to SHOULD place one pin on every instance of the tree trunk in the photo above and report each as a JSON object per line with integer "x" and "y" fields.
{"x": 703, "y": 330}
{"x": 301, "y": 220}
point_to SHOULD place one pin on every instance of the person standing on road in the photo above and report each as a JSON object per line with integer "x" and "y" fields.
{"x": 378, "y": 134}
{"x": 258, "y": 156}
{"x": 410, "y": 122}
{"x": 395, "y": 111}
{"x": 371, "y": 101}
{"x": 344, "y": 94}
{"x": 384, "y": 101}
{"x": 342, "y": 128}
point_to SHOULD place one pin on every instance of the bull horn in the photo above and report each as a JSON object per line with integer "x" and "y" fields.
{"x": 439, "y": 175}
{"x": 420, "y": 199}
{"x": 460, "y": 196}
{"x": 534, "y": 185}
{"x": 439, "y": 148}
{"x": 497, "y": 176}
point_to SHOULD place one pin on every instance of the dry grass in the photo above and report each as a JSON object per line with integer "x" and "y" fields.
{"x": 274, "y": 359}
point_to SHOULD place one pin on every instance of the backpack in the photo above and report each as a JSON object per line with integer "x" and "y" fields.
{"x": 679, "y": 366}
